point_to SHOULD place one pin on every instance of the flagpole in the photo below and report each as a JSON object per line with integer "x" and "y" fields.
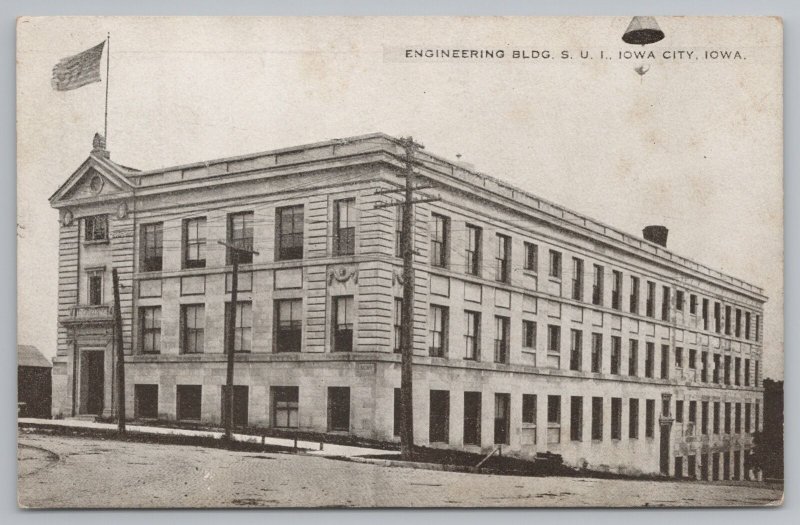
{"x": 108, "y": 60}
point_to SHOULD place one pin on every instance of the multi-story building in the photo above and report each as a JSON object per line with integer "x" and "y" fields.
{"x": 535, "y": 328}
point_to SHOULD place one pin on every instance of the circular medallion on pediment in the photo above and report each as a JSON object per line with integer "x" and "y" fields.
{"x": 96, "y": 184}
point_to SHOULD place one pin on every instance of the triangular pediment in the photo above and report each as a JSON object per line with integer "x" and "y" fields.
{"x": 94, "y": 179}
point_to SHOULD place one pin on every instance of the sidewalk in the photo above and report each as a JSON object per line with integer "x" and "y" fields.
{"x": 307, "y": 447}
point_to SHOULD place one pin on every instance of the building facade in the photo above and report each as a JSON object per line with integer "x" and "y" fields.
{"x": 535, "y": 328}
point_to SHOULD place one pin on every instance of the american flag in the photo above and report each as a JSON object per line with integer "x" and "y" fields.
{"x": 78, "y": 70}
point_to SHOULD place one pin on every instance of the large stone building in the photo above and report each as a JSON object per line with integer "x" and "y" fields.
{"x": 535, "y": 328}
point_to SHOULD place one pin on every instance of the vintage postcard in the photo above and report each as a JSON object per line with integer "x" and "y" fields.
{"x": 400, "y": 262}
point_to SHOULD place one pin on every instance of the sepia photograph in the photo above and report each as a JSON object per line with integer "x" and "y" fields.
{"x": 371, "y": 262}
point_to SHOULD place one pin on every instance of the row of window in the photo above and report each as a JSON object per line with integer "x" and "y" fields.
{"x": 713, "y": 473}
{"x": 732, "y": 424}
{"x": 438, "y": 347}
{"x": 287, "y": 333}
{"x": 283, "y": 405}
{"x": 289, "y": 229}
{"x": 440, "y": 248}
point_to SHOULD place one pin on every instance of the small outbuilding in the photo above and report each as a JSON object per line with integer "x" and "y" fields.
{"x": 34, "y": 382}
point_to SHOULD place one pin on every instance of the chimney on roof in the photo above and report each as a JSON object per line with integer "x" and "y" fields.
{"x": 656, "y": 234}
{"x": 99, "y": 146}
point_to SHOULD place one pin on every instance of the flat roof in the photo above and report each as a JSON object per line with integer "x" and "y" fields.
{"x": 349, "y": 146}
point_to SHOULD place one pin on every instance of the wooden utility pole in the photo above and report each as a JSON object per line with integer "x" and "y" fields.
{"x": 120, "y": 355}
{"x": 407, "y": 331}
{"x": 230, "y": 336}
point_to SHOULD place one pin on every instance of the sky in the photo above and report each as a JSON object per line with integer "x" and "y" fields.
{"x": 694, "y": 144}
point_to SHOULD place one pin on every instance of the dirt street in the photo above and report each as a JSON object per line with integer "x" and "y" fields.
{"x": 57, "y": 471}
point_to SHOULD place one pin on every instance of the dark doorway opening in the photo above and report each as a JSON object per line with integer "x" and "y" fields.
{"x": 502, "y": 416}
{"x": 240, "y": 404}
{"x": 439, "y": 420}
{"x": 472, "y": 418}
{"x": 339, "y": 408}
{"x": 664, "y": 449}
{"x": 94, "y": 381}
{"x": 145, "y": 401}
{"x": 189, "y": 401}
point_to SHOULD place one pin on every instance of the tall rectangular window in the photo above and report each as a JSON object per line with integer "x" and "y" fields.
{"x": 651, "y": 299}
{"x": 531, "y": 257}
{"x": 289, "y": 227}
{"x": 243, "y": 331}
{"x": 437, "y": 331}
{"x": 473, "y": 251}
{"x": 501, "y": 339}
{"x": 738, "y": 326}
{"x": 747, "y": 325}
{"x": 665, "y": 301}
{"x": 727, "y": 370}
{"x": 193, "y": 322}
{"x": 338, "y": 409}
{"x": 502, "y": 418}
{"x": 633, "y": 357}
{"x": 704, "y": 367}
{"x": 738, "y": 420}
{"x": 577, "y": 279}
{"x": 746, "y": 372}
{"x": 747, "y": 417}
{"x": 717, "y": 318}
{"x": 717, "y": 368}
{"x": 152, "y": 243}
{"x": 503, "y": 258}
{"x": 692, "y": 359}
{"x": 285, "y": 406}
{"x": 634, "y": 297}
{"x": 679, "y": 300}
{"x": 757, "y": 334}
{"x": 616, "y": 290}
{"x": 439, "y": 417}
{"x": 679, "y": 411}
{"x": 398, "y": 325}
{"x": 576, "y": 418}
{"x": 693, "y": 304}
{"x": 649, "y": 418}
{"x": 95, "y": 228}
{"x": 440, "y": 227}
{"x": 704, "y": 417}
{"x": 529, "y": 334}
{"x": 343, "y": 314}
{"x": 757, "y": 417}
{"x": 529, "y": 409}
{"x": 633, "y": 418}
{"x": 755, "y": 375}
{"x": 289, "y": 325}
{"x": 555, "y": 264}
{"x": 728, "y": 316}
{"x": 737, "y": 370}
{"x": 194, "y": 243}
{"x": 715, "y": 419}
{"x": 597, "y": 285}
{"x": 664, "y": 361}
{"x": 597, "y": 353}
{"x": 575, "y": 349}
{"x": 597, "y": 418}
{"x": 553, "y": 419}
{"x": 344, "y": 227}
{"x": 727, "y": 418}
{"x": 554, "y": 339}
{"x": 472, "y": 336}
{"x": 472, "y": 418}
{"x": 240, "y": 235}
{"x": 150, "y": 329}
{"x": 693, "y": 412}
{"x": 616, "y": 354}
{"x": 649, "y": 358}
{"x": 705, "y": 314}
{"x": 678, "y": 357}
{"x": 95, "y": 286}
{"x": 616, "y": 418}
